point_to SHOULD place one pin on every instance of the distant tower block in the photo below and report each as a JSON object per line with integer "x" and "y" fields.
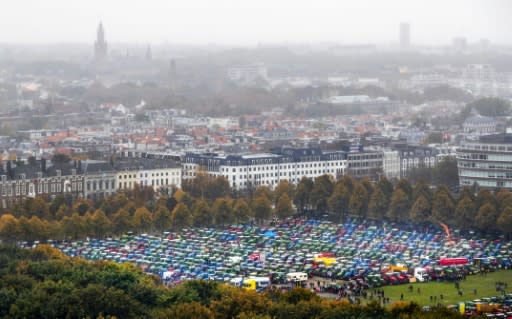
{"x": 100, "y": 46}
{"x": 172, "y": 74}
{"x": 405, "y": 35}
{"x": 149, "y": 55}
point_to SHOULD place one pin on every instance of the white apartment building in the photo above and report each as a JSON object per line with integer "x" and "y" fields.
{"x": 391, "y": 164}
{"x": 268, "y": 169}
{"x": 248, "y": 73}
{"x": 157, "y": 173}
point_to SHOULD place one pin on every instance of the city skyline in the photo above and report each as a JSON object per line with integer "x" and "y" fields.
{"x": 230, "y": 22}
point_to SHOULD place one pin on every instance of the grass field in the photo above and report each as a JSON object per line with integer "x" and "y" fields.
{"x": 485, "y": 287}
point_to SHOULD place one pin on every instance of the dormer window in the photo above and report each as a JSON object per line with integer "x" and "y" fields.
{"x": 58, "y": 172}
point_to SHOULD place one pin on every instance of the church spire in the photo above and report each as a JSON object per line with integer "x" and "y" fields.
{"x": 100, "y": 46}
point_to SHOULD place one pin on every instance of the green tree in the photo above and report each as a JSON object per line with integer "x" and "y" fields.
{"x": 379, "y": 204}
{"x": 101, "y": 224}
{"x": 262, "y": 208}
{"x": 465, "y": 213}
{"x": 222, "y": 212}
{"x": 503, "y": 199}
{"x": 302, "y": 199}
{"x": 348, "y": 182}
{"x": 421, "y": 210}
{"x": 10, "y": 230}
{"x": 39, "y": 228}
{"x": 62, "y": 211}
{"x": 56, "y": 204}
{"x": 504, "y": 222}
{"x": 181, "y": 216}
{"x": 263, "y": 191}
{"x": 385, "y": 186}
{"x": 284, "y": 186}
{"x": 142, "y": 219}
{"x": 218, "y": 187}
{"x": 81, "y": 206}
{"x": 443, "y": 206}
{"x": 202, "y": 214}
{"x": 25, "y": 229}
{"x": 339, "y": 201}
{"x": 88, "y": 224}
{"x": 484, "y": 197}
{"x": 162, "y": 218}
{"x": 399, "y": 206}
{"x": 241, "y": 211}
{"x": 486, "y": 218}
{"x": 73, "y": 226}
{"x": 358, "y": 204}
{"x": 322, "y": 190}
{"x": 406, "y": 187}
{"x": 422, "y": 188}
{"x": 122, "y": 221}
{"x": 446, "y": 172}
{"x": 491, "y": 106}
{"x": 284, "y": 207}
{"x": 367, "y": 185}
{"x": 60, "y": 158}
{"x": 434, "y": 138}
{"x": 192, "y": 310}
{"x": 38, "y": 207}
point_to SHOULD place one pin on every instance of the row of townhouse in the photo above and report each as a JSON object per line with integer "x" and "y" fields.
{"x": 252, "y": 170}
{"x": 87, "y": 179}
{"x": 97, "y": 179}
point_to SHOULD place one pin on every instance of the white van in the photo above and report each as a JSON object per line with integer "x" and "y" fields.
{"x": 296, "y": 277}
{"x": 420, "y": 274}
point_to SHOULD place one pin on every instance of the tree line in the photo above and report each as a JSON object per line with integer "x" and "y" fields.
{"x": 207, "y": 201}
{"x": 44, "y": 283}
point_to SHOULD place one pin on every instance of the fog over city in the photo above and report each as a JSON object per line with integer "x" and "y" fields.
{"x": 250, "y": 22}
{"x": 256, "y": 159}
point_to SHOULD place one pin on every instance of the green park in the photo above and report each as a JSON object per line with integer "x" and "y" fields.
{"x": 473, "y": 287}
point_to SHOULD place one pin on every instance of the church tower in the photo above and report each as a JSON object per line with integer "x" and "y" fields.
{"x": 100, "y": 46}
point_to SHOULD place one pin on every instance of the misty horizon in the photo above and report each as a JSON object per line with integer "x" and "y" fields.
{"x": 228, "y": 22}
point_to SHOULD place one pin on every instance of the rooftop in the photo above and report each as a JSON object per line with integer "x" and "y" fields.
{"x": 502, "y": 138}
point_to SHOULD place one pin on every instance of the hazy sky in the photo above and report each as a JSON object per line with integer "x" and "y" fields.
{"x": 249, "y": 22}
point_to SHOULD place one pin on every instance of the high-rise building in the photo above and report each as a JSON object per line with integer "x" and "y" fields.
{"x": 487, "y": 162}
{"x": 149, "y": 55}
{"x": 100, "y": 46}
{"x": 405, "y": 35}
{"x": 459, "y": 44}
{"x": 172, "y": 74}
